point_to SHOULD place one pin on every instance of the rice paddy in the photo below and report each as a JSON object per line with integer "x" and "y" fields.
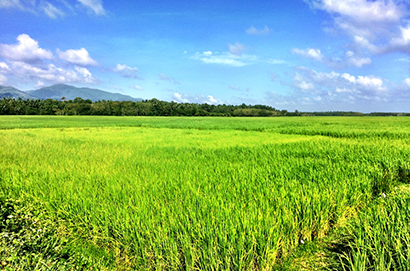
{"x": 163, "y": 193}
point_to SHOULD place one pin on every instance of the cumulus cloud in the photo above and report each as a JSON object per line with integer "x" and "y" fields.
{"x": 399, "y": 43}
{"x": 126, "y": 71}
{"x": 253, "y": 31}
{"x": 26, "y": 50}
{"x": 378, "y": 26}
{"x": 94, "y": 5}
{"x": 332, "y": 91}
{"x": 26, "y": 61}
{"x": 77, "y": 57}
{"x": 361, "y": 10}
{"x": 332, "y": 86}
{"x": 200, "y": 99}
{"x": 52, "y": 74}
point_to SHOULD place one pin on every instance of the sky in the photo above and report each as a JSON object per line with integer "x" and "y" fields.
{"x": 306, "y": 55}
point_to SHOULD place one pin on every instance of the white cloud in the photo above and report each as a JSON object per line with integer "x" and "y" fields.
{"x": 355, "y": 61}
{"x": 399, "y": 43}
{"x": 127, "y": 71}
{"x": 179, "y": 99}
{"x": 362, "y": 10}
{"x": 167, "y": 78}
{"x": 212, "y": 100}
{"x": 3, "y": 79}
{"x": 378, "y": 26}
{"x": 334, "y": 84}
{"x": 85, "y": 74}
{"x": 10, "y": 4}
{"x": 77, "y": 57}
{"x": 52, "y": 11}
{"x": 332, "y": 91}
{"x": 26, "y": 50}
{"x": 226, "y": 58}
{"x": 407, "y": 82}
{"x": 52, "y": 74}
{"x": 311, "y": 53}
{"x": 276, "y": 61}
{"x": 164, "y": 77}
{"x": 200, "y": 99}
{"x": 237, "y": 49}
{"x": 94, "y": 5}
{"x": 253, "y": 31}
{"x": 26, "y": 61}
{"x": 349, "y": 59}
{"x": 137, "y": 87}
{"x": 4, "y": 68}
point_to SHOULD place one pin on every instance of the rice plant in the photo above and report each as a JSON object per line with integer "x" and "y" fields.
{"x": 199, "y": 193}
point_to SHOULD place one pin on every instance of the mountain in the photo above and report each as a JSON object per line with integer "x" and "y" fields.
{"x": 6, "y": 92}
{"x": 56, "y": 92}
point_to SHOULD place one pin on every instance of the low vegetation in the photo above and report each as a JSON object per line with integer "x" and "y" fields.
{"x": 133, "y": 193}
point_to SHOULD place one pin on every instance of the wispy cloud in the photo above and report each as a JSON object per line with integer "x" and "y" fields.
{"x": 258, "y": 32}
{"x": 225, "y": 58}
{"x": 126, "y": 71}
{"x": 237, "y": 49}
{"x": 10, "y": 3}
{"x": 139, "y": 88}
{"x": 53, "y": 10}
{"x": 348, "y": 59}
{"x": 95, "y": 5}
{"x": 164, "y": 77}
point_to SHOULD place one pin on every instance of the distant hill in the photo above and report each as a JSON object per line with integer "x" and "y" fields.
{"x": 56, "y": 92}
{"x": 10, "y": 92}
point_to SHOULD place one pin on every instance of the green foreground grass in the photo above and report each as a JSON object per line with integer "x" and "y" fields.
{"x": 144, "y": 193}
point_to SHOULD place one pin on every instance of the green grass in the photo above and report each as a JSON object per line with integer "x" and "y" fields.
{"x": 199, "y": 193}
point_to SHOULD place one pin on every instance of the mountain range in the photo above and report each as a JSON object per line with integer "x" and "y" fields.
{"x": 56, "y": 92}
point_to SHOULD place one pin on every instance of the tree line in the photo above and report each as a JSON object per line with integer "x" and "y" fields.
{"x": 153, "y": 107}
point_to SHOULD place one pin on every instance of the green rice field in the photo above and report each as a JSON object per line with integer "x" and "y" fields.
{"x": 203, "y": 193}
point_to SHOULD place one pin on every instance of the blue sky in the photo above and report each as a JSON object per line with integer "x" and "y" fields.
{"x": 309, "y": 55}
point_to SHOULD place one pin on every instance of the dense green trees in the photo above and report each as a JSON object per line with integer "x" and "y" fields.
{"x": 153, "y": 107}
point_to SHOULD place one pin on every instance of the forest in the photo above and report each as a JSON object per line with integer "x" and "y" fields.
{"x": 153, "y": 107}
